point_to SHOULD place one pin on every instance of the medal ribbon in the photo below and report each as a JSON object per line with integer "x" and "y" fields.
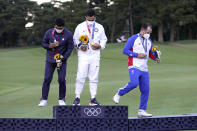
{"x": 53, "y": 36}
{"x": 93, "y": 30}
{"x": 144, "y": 43}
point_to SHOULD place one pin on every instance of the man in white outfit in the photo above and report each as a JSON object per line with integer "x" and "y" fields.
{"x": 89, "y": 55}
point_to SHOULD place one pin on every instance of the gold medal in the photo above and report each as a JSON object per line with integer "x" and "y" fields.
{"x": 57, "y": 43}
{"x": 92, "y": 43}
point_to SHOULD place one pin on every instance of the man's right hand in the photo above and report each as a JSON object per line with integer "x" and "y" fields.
{"x": 83, "y": 48}
{"x": 141, "y": 56}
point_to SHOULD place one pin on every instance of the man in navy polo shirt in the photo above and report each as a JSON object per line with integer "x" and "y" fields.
{"x": 58, "y": 42}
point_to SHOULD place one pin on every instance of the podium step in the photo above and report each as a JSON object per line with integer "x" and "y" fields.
{"x": 91, "y": 118}
{"x": 163, "y": 123}
{"x": 89, "y": 124}
{"x": 27, "y": 124}
{"x": 120, "y": 112}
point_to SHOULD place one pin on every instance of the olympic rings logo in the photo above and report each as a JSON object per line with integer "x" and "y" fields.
{"x": 92, "y": 111}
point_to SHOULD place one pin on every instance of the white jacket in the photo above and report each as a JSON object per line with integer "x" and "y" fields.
{"x": 133, "y": 47}
{"x": 99, "y": 37}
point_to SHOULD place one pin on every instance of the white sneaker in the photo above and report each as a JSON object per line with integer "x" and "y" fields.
{"x": 42, "y": 103}
{"x": 143, "y": 113}
{"x": 116, "y": 98}
{"x": 61, "y": 102}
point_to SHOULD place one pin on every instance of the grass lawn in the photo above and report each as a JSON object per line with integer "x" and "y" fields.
{"x": 173, "y": 83}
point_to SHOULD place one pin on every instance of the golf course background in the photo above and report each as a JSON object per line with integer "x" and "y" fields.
{"x": 173, "y": 82}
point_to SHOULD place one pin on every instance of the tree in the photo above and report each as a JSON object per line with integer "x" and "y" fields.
{"x": 179, "y": 12}
{"x": 172, "y": 20}
{"x": 14, "y": 16}
{"x": 110, "y": 15}
{"x": 74, "y": 13}
{"x": 44, "y": 18}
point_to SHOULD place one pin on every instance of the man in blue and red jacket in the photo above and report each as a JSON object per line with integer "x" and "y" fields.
{"x": 138, "y": 49}
{"x": 58, "y": 43}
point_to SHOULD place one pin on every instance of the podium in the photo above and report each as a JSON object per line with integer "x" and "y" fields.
{"x": 27, "y": 124}
{"x": 91, "y": 118}
{"x": 98, "y": 118}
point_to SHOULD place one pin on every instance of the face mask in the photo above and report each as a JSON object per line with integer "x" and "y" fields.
{"x": 146, "y": 36}
{"x": 90, "y": 23}
{"x": 58, "y": 30}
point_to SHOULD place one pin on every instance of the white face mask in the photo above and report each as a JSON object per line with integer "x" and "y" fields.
{"x": 90, "y": 23}
{"x": 146, "y": 36}
{"x": 58, "y": 30}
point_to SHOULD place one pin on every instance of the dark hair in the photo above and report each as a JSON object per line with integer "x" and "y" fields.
{"x": 59, "y": 22}
{"x": 146, "y": 25}
{"x": 90, "y": 12}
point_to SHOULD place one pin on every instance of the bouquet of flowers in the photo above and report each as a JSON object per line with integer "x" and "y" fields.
{"x": 157, "y": 51}
{"x": 84, "y": 40}
{"x": 58, "y": 58}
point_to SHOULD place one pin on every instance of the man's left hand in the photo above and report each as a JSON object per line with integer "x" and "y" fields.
{"x": 96, "y": 46}
{"x": 157, "y": 60}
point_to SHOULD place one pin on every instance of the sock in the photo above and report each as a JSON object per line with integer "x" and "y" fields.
{"x": 78, "y": 96}
{"x": 93, "y": 97}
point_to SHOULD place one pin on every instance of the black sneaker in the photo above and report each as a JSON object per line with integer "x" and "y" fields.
{"x": 94, "y": 102}
{"x": 76, "y": 102}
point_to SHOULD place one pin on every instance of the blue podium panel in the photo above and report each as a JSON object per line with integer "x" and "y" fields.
{"x": 20, "y": 124}
{"x": 85, "y": 124}
{"x": 90, "y": 112}
{"x": 164, "y": 123}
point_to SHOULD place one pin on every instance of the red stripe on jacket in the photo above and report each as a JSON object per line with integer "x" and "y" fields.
{"x": 130, "y": 59}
